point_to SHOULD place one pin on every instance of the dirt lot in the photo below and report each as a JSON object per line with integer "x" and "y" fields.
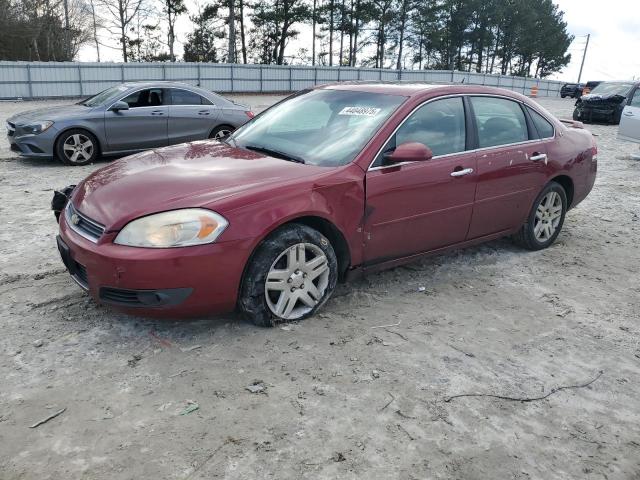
{"x": 342, "y": 398}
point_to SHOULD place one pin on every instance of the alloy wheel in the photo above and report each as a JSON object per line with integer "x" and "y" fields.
{"x": 78, "y": 148}
{"x": 222, "y": 134}
{"x": 297, "y": 281}
{"x": 548, "y": 216}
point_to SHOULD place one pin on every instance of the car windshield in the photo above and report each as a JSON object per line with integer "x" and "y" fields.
{"x": 103, "y": 96}
{"x": 610, "y": 88}
{"x": 321, "y": 127}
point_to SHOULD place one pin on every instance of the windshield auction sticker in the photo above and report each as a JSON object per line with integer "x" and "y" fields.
{"x": 360, "y": 111}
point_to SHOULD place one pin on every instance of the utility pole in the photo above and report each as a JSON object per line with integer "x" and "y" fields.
{"x": 232, "y": 32}
{"x": 67, "y": 37}
{"x": 584, "y": 54}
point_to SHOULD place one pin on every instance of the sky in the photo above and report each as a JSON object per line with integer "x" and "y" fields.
{"x": 614, "y": 26}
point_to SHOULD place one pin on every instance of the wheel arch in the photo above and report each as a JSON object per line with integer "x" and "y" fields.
{"x": 319, "y": 223}
{"x": 221, "y": 125}
{"x": 566, "y": 182}
{"x": 78, "y": 127}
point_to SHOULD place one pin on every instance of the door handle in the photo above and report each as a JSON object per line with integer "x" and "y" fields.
{"x": 157, "y": 112}
{"x": 204, "y": 112}
{"x": 462, "y": 173}
{"x": 628, "y": 114}
{"x": 538, "y": 156}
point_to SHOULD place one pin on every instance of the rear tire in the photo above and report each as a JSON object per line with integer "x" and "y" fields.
{"x": 290, "y": 276}
{"x": 77, "y": 147}
{"x": 562, "y": 96}
{"x": 545, "y": 220}
{"x": 221, "y": 132}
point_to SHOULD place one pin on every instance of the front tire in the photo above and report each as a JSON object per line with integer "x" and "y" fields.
{"x": 291, "y": 275}
{"x": 545, "y": 220}
{"x": 77, "y": 147}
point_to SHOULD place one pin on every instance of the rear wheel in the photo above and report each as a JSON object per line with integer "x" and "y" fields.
{"x": 221, "y": 132}
{"x": 291, "y": 275}
{"x": 562, "y": 96}
{"x": 77, "y": 147}
{"x": 545, "y": 220}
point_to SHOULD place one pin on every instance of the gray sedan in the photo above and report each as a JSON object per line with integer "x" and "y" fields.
{"x": 124, "y": 119}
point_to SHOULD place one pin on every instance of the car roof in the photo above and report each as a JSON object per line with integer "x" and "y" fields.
{"x": 159, "y": 83}
{"x": 417, "y": 89}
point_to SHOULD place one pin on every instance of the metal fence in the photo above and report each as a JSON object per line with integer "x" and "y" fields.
{"x": 74, "y": 79}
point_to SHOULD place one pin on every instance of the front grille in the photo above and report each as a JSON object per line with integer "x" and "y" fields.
{"x": 82, "y": 225}
{"x": 144, "y": 298}
{"x": 81, "y": 275}
{"x": 120, "y": 296}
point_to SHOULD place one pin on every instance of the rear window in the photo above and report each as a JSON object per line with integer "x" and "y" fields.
{"x": 185, "y": 97}
{"x": 543, "y": 126}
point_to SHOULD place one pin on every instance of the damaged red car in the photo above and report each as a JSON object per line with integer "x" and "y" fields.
{"x": 332, "y": 182}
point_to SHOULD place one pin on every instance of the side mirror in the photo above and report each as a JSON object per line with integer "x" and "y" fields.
{"x": 120, "y": 105}
{"x": 410, "y": 152}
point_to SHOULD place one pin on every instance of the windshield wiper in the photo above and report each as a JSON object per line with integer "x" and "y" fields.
{"x": 275, "y": 153}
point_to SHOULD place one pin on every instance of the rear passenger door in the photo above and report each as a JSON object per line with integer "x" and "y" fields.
{"x": 511, "y": 165}
{"x": 191, "y": 116}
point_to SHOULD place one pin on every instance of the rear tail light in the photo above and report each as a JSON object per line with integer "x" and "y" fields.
{"x": 250, "y": 114}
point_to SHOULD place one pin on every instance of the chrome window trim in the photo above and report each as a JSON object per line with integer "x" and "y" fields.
{"x": 454, "y": 95}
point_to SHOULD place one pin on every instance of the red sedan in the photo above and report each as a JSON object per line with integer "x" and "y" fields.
{"x": 333, "y": 182}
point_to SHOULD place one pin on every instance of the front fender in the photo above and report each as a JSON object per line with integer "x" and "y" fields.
{"x": 339, "y": 201}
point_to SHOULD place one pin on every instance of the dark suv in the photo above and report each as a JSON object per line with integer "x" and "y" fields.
{"x": 605, "y": 102}
{"x": 573, "y": 90}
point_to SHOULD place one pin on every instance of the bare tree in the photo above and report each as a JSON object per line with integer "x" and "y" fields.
{"x": 172, "y": 9}
{"x": 96, "y": 24}
{"x": 231, "y": 58}
{"x": 120, "y": 15}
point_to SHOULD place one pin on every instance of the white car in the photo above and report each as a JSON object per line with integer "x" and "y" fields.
{"x": 629, "y": 128}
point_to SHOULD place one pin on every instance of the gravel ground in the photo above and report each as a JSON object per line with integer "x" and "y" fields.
{"x": 337, "y": 396}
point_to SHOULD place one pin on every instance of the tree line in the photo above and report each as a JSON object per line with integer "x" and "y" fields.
{"x": 518, "y": 37}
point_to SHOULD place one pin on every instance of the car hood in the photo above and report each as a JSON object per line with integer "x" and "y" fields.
{"x": 49, "y": 113}
{"x": 197, "y": 174}
{"x": 596, "y": 98}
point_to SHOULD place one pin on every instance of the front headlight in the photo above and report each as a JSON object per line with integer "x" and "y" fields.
{"x": 177, "y": 228}
{"x": 37, "y": 127}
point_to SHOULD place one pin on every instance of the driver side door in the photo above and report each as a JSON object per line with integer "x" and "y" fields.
{"x": 425, "y": 205}
{"x": 143, "y": 126}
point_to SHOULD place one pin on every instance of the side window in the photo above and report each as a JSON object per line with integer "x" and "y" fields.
{"x": 440, "y": 125}
{"x": 151, "y": 97}
{"x": 543, "y": 126}
{"x": 635, "y": 101}
{"x": 185, "y": 97}
{"x": 500, "y": 121}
